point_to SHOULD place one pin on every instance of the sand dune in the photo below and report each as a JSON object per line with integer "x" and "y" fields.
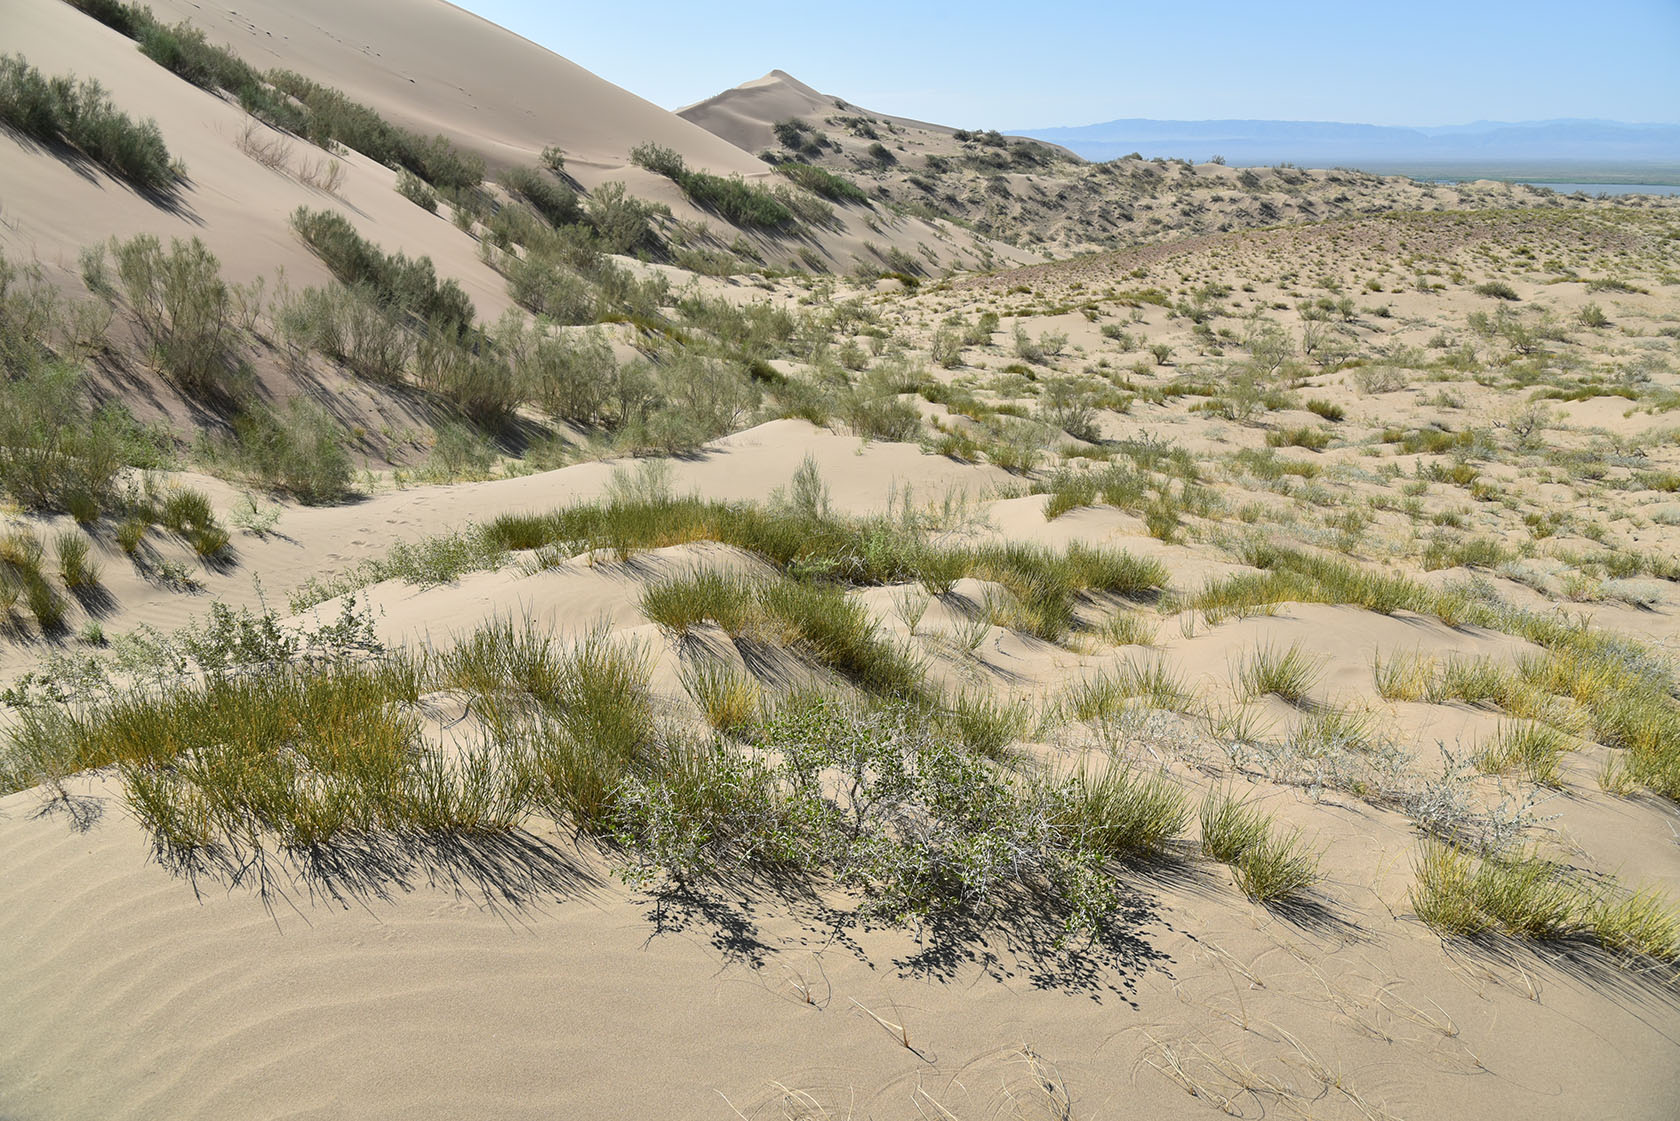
{"x": 1478, "y": 403}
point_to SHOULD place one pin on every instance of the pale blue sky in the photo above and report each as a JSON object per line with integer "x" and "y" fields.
{"x": 1025, "y": 64}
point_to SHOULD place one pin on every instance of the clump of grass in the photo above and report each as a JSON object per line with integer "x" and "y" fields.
{"x": 1329, "y": 411}
{"x": 78, "y": 571}
{"x": 836, "y": 630}
{"x": 1278, "y": 868}
{"x": 707, "y": 596}
{"x": 1268, "y": 865}
{"x": 1118, "y": 813}
{"x": 1290, "y": 674}
{"x": 1403, "y": 676}
{"x": 1521, "y": 896}
{"x": 1129, "y": 628}
{"x": 1109, "y": 693}
{"x": 1471, "y": 680}
{"x": 1231, "y": 826}
{"x": 1534, "y": 749}
{"x": 131, "y": 534}
{"x": 1642, "y": 922}
{"x": 185, "y": 509}
{"x": 1307, "y": 436}
{"x": 730, "y": 699}
{"x": 1443, "y": 893}
{"x": 988, "y": 724}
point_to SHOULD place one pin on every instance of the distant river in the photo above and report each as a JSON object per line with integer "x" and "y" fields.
{"x": 1597, "y": 188}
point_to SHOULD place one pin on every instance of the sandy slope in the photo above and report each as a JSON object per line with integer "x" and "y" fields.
{"x": 437, "y": 68}
{"x": 522, "y": 979}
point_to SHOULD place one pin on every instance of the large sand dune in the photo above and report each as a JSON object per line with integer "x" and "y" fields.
{"x": 1442, "y": 405}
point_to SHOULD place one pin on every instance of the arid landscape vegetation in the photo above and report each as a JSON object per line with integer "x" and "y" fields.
{"x": 552, "y": 607}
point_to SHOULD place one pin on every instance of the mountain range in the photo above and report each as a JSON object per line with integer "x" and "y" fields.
{"x": 1572, "y": 145}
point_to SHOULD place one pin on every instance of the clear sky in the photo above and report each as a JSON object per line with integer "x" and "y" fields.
{"x": 1046, "y": 63}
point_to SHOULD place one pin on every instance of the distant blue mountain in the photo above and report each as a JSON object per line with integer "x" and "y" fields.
{"x": 1331, "y": 143}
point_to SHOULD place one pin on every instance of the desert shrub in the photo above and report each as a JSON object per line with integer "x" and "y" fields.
{"x": 658, "y": 159}
{"x": 739, "y": 202}
{"x": 1308, "y": 436}
{"x": 293, "y": 102}
{"x": 1068, "y": 403}
{"x": 474, "y": 378}
{"x": 183, "y": 308}
{"x": 620, "y": 220}
{"x": 922, "y": 828}
{"x": 1497, "y": 289}
{"x": 81, "y": 114}
{"x": 570, "y": 376}
{"x": 552, "y": 199}
{"x": 459, "y": 451}
{"x": 876, "y": 413}
{"x": 334, "y": 118}
{"x": 56, "y": 452}
{"x": 415, "y": 190}
{"x": 298, "y": 449}
{"x": 947, "y": 348}
{"x": 1327, "y": 410}
{"x": 823, "y": 182}
{"x": 410, "y": 286}
{"x": 699, "y": 398}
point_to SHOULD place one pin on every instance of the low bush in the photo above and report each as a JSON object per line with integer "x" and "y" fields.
{"x": 823, "y": 182}
{"x": 555, "y": 201}
{"x": 1497, "y": 289}
{"x": 410, "y": 286}
{"x": 416, "y": 190}
{"x": 58, "y": 453}
{"x": 81, "y": 114}
{"x": 737, "y": 201}
{"x": 183, "y": 308}
{"x": 298, "y": 449}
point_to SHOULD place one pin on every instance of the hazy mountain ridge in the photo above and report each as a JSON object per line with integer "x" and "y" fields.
{"x": 1334, "y": 142}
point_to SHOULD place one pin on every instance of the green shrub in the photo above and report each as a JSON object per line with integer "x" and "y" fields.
{"x": 411, "y": 286}
{"x": 298, "y": 449}
{"x": 737, "y": 201}
{"x": 1498, "y": 290}
{"x": 332, "y": 118}
{"x": 552, "y": 199}
{"x": 621, "y": 221}
{"x": 477, "y": 381}
{"x": 415, "y": 190}
{"x": 57, "y": 453}
{"x": 183, "y": 308}
{"x": 823, "y": 182}
{"x": 1307, "y": 436}
{"x": 80, "y": 114}
{"x": 659, "y": 159}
